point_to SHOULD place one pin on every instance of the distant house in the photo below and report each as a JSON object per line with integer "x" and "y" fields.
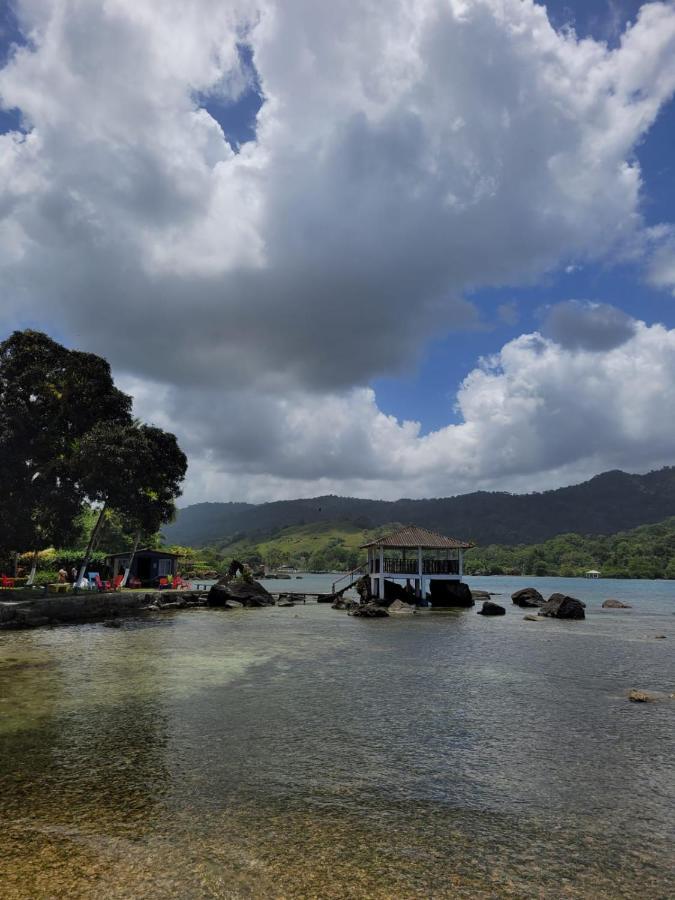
{"x": 148, "y": 565}
{"x": 415, "y": 557}
{"x": 592, "y": 573}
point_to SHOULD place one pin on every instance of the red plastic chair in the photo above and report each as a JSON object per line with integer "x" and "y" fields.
{"x": 6, "y": 582}
{"x": 163, "y": 583}
{"x": 102, "y": 585}
{"x": 117, "y": 583}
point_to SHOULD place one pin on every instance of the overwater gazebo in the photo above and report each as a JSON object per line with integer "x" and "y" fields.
{"x": 413, "y": 557}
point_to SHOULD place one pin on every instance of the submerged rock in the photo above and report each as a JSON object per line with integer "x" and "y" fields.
{"x": 246, "y": 593}
{"x": 527, "y": 597}
{"x": 530, "y": 617}
{"x": 491, "y": 609}
{"x": 640, "y": 696}
{"x": 285, "y": 601}
{"x": 370, "y": 611}
{"x": 611, "y": 603}
{"x": 480, "y": 595}
{"x": 558, "y": 606}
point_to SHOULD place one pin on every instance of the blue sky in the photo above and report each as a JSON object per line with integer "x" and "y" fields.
{"x": 428, "y": 394}
{"x": 292, "y": 231}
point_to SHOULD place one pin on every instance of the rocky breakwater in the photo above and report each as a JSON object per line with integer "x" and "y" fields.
{"x": 227, "y": 594}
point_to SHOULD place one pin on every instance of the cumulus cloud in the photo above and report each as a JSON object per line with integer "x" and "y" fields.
{"x": 536, "y": 413}
{"x": 406, "y": 153}
{"x": 577, "y": 324}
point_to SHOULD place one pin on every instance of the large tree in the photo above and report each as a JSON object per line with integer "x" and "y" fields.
{"x": 66, "y": 436}
{"x": 135, "y": 470}
{"x": 49, "y": 398}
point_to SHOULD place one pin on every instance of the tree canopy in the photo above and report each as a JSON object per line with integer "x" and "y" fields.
{"x": 60, "y": 412}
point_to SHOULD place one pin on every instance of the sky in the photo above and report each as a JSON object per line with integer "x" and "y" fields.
{"x": 379, "y": 248}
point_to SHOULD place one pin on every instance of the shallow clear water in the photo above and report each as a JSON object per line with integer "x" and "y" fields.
{"x": 303, "y": 753}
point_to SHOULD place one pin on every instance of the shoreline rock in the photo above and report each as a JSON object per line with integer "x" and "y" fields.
{"x": 249, "y": 594}
{"x": 611, "y": 603}
{"x": 527, "y": 597}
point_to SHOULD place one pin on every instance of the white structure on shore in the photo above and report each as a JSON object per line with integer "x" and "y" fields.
{"x": 592, "y": 573}
{"x": 414, "y": 557}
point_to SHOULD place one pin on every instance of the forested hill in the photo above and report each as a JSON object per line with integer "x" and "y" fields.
{"x": 611, "y": 502}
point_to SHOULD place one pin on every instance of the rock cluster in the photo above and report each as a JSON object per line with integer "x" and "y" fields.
{"x": 234, "y": 594}
{"x": 611, "y": 603}
{"x": 369, "y": 610}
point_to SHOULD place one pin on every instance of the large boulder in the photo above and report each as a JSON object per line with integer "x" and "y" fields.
{"x": 491, "y": 609}
{"x": 558, "y": 606}
{"x": 611, "y": 603}
{"x": 394, "y": 591}
{"x": 246, "y": 593}
{"x": 562, "y": 596}
{"x": 527, "y": 597}
{"x": 370, "y": 611}
{"x": 450, "y": 594}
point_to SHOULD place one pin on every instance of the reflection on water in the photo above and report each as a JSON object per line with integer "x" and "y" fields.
{"x": 302, "y": 753}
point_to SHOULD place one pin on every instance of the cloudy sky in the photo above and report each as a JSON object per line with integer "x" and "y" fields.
{"x": 373, "y": 247}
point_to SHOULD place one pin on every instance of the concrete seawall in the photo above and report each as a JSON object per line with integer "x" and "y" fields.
{"x": 69, "y": 608}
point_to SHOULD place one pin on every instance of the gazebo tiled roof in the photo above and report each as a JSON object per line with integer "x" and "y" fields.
{"x": 411, "y": 536}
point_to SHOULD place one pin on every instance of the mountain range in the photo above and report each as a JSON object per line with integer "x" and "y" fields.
{"x": 611, "y": 502}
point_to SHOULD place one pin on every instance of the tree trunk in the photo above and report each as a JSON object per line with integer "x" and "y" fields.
{"x": 131, "y": 561}
{"x": 33, "y": 568}
{"x": 90, "y": 546}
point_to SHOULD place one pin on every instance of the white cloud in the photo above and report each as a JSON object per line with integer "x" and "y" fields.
{"x": 407, "y": 152}
{"x": 535, "y": 414}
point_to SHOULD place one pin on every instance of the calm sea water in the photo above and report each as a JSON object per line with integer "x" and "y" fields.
{"x": 303, "y": 753}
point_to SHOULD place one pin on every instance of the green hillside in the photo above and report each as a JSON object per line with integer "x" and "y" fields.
{"x": 611, "y": 502}
{"x": 318, "y": 547}
{"x": 644, "y": 552}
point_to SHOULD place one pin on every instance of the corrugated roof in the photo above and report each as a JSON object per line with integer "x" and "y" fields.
{"x": 411, "y": 536}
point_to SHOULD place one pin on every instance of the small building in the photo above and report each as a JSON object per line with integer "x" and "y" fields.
{"x": 413, "y": 557}
{"x": 592, "y": 573}
{"x": 148, "y": 565}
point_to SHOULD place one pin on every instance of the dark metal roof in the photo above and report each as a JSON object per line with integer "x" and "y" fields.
{"x": 412, "y": 536}
{"x": 147, "y": 550}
